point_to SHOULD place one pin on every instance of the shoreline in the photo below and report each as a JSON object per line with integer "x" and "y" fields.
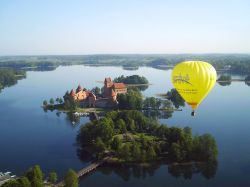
{"x": 115, "y": 163}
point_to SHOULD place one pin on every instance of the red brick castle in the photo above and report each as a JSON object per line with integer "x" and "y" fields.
{"x": 106, "y": 99}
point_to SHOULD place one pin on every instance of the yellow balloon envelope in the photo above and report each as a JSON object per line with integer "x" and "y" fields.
{"x": 193, "y": 80}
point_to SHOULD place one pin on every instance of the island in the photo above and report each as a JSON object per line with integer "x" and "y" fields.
{"x": 140, "y": 82}
{"x": 113, "y": 96}
{"x": 175, "y": 97}
{"x": 224, "y": 80}
{"x": 9, "y": 77}
{"x": 131, "y": 137}
{"x": 247, "y": 80}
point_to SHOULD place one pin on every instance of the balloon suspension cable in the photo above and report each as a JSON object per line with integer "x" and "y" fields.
{"x": 193, "y": 113}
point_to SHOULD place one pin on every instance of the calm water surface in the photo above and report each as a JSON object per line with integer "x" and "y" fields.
{"x": 29, "y": 136}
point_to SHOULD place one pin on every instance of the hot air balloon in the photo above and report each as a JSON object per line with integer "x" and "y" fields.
{"x": 193, "y": 80}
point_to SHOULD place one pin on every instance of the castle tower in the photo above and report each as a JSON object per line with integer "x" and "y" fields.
{"x": 79, "y": 88}
{"x": 108, "y": 82}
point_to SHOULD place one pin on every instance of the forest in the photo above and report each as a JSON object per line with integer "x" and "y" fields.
{"x": 130, "y": 136}
{"x": 9, "y": 77}
{"x": 239, "y": 63}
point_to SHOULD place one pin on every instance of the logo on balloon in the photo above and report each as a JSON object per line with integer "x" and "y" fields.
{"x": 181, "y": 79}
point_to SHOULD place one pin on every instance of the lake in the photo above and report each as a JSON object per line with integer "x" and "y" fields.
{"x": 30, "y": 136}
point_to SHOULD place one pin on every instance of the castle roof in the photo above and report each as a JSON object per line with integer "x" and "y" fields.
{"x": 72, "y": 93}
{"x": 119, "y": 85}
{"x": 79, "y": 88}
{"x": 108, "y": 79}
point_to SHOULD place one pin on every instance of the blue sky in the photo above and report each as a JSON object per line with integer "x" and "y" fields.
{"x": 47, "y": 27}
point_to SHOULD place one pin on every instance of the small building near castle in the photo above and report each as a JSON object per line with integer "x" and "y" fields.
{"x": 107, "y": 99}
{"x": 112, "y": 89}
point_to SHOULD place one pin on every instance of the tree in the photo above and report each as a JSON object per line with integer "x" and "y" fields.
{"x": 146, "y": 103}
{"x": 120, "y": 124}
{"x": 51, "y": 101}
{"x": 45, "y": 103}
{"x": 71, "y": 104}
{"x": 11, "y": 183}
{"x": 57, "y": 100}
{"x": 152, "y": 102}
{"x": 37, "y": 183}
{"x": 116, "y": 143}
{"x": 35, "y": 176}
{"x": 204, "y": 148}
{"x": 150, "y": 154}
{"x": 96, "y": 90}
{"x": 224, "y": 80}
{"x": 105, "y": 129}
{"x": 52, "y": 177}
{"x": 187, "y": 143}
{"x": 60, "y": 100}
{"x": 99, "y": 145}
{"x": 125, "y": 152}
{"x": 71, "y": 179}
{"x": 143, "y": 155}
{"x": 24, "y": 182}
{"x": 176, "y": 98}
{"x": 38, "y": 172}
{"x": 8, "y": 77}
{"x": 175, "y": 152}
{"x": 136, "y": 152}
{"x": 131, "y": 125}
{"x": 143, "y": 141}
{"x": 131, "y": 100}
{"x": 167, "y": 104}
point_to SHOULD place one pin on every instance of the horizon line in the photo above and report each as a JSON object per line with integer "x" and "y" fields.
{"x": 98, "y": 54}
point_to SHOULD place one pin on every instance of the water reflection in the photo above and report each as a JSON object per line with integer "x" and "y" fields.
{"x": 58, "y": 113}
{"x": 130, "y": 68}
{"x": 142, "y": 87}
{"x": 83, "y": 155}
{"x": 41, "y": 68}
{"x": 158, "y": 114}
{"x": 185, "y": 171}
{"x": 72, "y": 118}
{"x": 247, "y": 83}
{"x": 225, "y": 83}
{"x": 129, "y": 172}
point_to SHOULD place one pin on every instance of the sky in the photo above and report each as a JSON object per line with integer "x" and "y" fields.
{"x": 75, "y": 27}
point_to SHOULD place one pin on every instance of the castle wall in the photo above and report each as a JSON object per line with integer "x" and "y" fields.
{"x": 81, "y": 95}
{"x": 121, "y": 90}
{"x": 105, "y": 103}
